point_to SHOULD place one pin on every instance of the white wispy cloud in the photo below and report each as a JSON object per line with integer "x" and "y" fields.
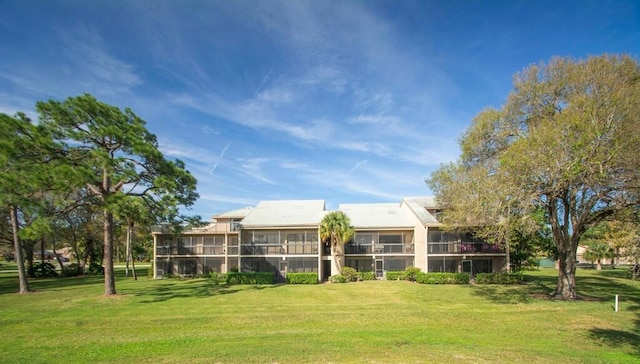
{"x": 252, "y": 167}
{"x": 224, "y": 150}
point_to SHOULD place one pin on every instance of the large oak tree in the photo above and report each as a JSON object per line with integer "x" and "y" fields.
{"x": 115, "y": 156}
{"x": 567, "y": 140}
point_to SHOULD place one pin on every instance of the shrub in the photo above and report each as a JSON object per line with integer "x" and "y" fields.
{"x": 250, "y": 278}
{"x": 44, "y": 270}
{"x": 442, "y": 278}
{"x": 217, "y": 278}
{"x": 302, "y": 278}
{"x": 367, "y": 276}
{"x": 338, "y": 278}
{"x": 150, "y": 271}
{"x": 71, "y": 270}
{"x": 395, "y": 276}
{"x": 498, "y": 278}
{"x": 410, "y": 273}
{"x": 350, "y": 274}
{"x": 95, "y": 268}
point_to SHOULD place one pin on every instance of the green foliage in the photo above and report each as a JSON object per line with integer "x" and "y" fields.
{"x": 44, "y": 270}
{"x": 338, "y": 278}
{"x": 395, "y": 276}
{"x": 113, "y": 158}
{"x": 350, "y": 274}
{"x": 564, "y": 142}
{"x": 442, "y": 278}
{"x": 218, "y": 278}
{"x": 410, "y": 273}
{"x": 367, "y": 276}
{"x": 250, "y": 278}
{"x": 498, "y": 278}
{"x": 95, "y": 269}
{"x": 302, "y": 278}
{"x": 336, "y": 227}
{"x": 71, "y": 270}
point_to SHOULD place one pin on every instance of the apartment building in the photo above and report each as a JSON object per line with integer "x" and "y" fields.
{"x": 283, "y": 236}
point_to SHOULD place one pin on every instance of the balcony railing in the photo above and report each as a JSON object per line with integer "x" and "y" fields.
{"x": 355, "y": 248}
{"x": 464, "y": 248}
{"x": 213, "y": 250}
{"x": 191, "y": 250}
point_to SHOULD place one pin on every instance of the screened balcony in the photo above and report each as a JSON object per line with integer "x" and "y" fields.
{"x": 362, "y": 248}
{"x": 400, "y": 242}
{"x": 464, "y": 248}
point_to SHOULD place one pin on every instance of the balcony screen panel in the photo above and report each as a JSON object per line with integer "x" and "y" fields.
{"x": 212, "y": 265}
{"x": 303, "y": 265}
{"x": 443, "y": 264}
{"x": 397, "y": 264}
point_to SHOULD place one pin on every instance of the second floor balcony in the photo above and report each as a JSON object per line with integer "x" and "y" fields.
{"x": 191, "y": 250}
{"x": 464, "y": 248}
{"x": 357, "y": 248}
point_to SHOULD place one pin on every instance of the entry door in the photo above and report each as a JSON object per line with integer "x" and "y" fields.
{"x": 467, "y": 267}
{"x": 379, "y": 268}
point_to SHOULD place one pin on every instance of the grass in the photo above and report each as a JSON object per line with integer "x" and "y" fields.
{"x": 193, "y": 321}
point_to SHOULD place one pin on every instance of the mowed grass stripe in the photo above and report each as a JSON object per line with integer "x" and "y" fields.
{"x": 195, "y": 321}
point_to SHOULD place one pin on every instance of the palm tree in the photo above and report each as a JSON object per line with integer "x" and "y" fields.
{"x": 336, "y": 227}
{"x": 597, "y": 251}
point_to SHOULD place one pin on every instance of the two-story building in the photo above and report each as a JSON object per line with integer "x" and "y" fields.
{"x": 283, "y": 236}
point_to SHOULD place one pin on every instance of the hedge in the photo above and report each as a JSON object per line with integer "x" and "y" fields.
{"x": 338, "y": 278}
{"x": 250, "y": 278}
{"x": 218, "y": 278}
{"x": 442, "y": 278}
{"x": 395, "y": 276}
{"x": 498, "y": 278}
{"x": 367, "y": 276}
{"x": 302, "y": 278}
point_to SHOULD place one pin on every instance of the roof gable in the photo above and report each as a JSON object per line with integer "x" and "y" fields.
{"x": 420, "y": 206}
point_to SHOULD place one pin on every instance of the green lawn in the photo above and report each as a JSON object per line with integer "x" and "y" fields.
{"x": 193, "y": 321}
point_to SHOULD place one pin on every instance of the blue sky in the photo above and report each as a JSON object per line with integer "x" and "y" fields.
{"x": 346, "y": 101}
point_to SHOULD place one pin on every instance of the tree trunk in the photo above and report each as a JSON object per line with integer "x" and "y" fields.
{"x": 566, "y": 287}
{"x": 130, "y": 251}
{"x": 508, "y": 251}
{"x": 29, "y": 255}
{"x": 109, "y": 277}
{"x": 22, "y": 275}
{"x": 42, "y": 251}
{"x": 55, "y": 254}
{"x": 127, "y": 251}
{"x": 338, "y": 256}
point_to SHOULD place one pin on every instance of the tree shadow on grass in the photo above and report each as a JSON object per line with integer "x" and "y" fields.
{"x": 187, "y": 288}
{"x": 620, "y": 338}
{"x": 592, "y": 288}
{"x": 10, "y": 285}
{"x": 605, "y": 288}
{"x": 532, "y": 288}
